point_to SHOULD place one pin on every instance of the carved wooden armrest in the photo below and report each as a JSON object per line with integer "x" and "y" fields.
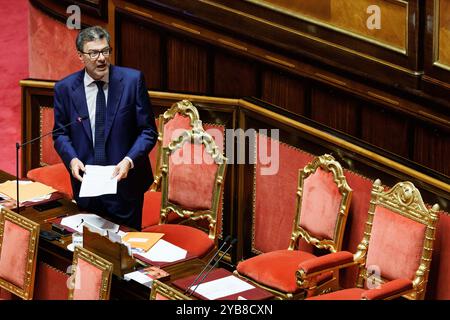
{"x": 389, "y": 289}
{"x": 310, "y": 268}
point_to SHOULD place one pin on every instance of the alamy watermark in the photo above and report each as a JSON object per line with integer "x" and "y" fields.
{"x": 241, "y": 147}
{"x": 74, "y": 20}
{"x": 374, "y": 20}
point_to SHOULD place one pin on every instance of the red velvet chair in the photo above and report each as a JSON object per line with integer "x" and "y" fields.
{"x": 92, "y": 276}
{"x": 193, "y": 172}
{"x": 323, "y": 199}
{"x": 395, "y": 253}
{"x": 19, "y": 239}
{"x": 181, "y": 116}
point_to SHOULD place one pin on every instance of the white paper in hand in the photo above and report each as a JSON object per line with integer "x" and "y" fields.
{"x": 97, "y": 181}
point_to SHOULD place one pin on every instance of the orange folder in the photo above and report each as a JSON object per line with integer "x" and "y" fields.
{"x": 142, "y": 240}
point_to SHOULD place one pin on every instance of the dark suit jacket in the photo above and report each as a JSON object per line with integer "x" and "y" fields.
{"x": 129, "y": 129}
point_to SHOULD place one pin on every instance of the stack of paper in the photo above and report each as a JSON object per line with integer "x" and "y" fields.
{"x": 28, "y": 190}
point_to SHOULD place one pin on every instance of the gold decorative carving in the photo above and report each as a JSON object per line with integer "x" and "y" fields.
{"x": 184, "y": 108}
{"x": 160, "y": 288}
{"x": 405, "y": 199}
{"x": 199, "y": 137}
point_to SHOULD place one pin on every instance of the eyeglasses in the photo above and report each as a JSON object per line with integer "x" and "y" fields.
{"x": 95, "y": 54}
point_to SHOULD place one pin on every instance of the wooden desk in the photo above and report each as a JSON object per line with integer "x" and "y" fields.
{"x": 56, "y": 254}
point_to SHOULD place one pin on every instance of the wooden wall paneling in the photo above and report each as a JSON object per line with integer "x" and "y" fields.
{"x": 187, "y": 64}
{"x": 140, "y": 46}
{"x": 432, "y": 147}
{"x": 290, "y": 34}
{"x": 436, "y": 80}
{"x": 334, "y": 109}
{"x": 284, "y": 90}
{"x": 385, "y": 129}
{"x": 234, "y": 76}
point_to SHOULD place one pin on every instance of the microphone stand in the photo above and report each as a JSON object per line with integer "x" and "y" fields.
{"x": 209, "y": 262}
{"x": 18, "y": 146}
{"x": 213, "y": 266}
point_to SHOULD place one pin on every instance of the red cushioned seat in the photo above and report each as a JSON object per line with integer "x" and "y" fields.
{"x": 277, "y": 269}
{"x": 195, "y": 241}
{"x": 55, "y": 176}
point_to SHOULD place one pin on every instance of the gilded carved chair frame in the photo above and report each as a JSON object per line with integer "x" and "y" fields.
{"x": 196, "y": 136}
{"x": 26, "y": 292}
{"x": 404, "y": 199}
{"x": 327, "y": 163}
{"x": 105, "y": 266}
{"x": 184, "y": 108}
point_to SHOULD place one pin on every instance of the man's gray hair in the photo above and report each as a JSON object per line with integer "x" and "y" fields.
{"x": 91, "y": 34}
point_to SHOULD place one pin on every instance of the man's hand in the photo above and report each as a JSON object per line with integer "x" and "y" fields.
{"x": 75, "y": 166}
{"x": 121, "y": 170}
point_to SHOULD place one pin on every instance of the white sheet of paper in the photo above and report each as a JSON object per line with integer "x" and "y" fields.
{"x": 165, "y": 252}
{"x": 97, "y": 181}
{"x": 139, "y": 277}
{"x": 76, "y": 222}
{"x": 222, "y": 287}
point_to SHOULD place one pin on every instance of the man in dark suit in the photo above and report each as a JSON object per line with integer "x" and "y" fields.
{"x": 115, "y": 126}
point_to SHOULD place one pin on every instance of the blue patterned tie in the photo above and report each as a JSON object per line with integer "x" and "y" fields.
{"x": 100, "y": 117}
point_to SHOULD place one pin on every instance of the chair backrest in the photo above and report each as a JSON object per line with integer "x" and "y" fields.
{"x": 323, "y": 200}
{"x": 19, "y": 238}
{"x": 91, "y": 279}
{"x": 181, "y": 116}
{"x": 398, "y": 238}
{"x": 193, "y": 173}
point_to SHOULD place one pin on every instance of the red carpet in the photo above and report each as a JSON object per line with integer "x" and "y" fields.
{"x": 13, "y": 67}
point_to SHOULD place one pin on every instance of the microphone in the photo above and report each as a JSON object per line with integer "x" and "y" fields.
{"x": 209, "y": 262}
{"x": 18, "y": 146}
{"x": 213, "y": 266}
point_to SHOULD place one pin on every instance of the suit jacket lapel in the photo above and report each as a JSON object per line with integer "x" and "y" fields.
{"x": 80, "y": 104}
{"x": 115, "y": 91}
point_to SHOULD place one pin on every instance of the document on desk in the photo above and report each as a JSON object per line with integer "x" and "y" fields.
{"x": 164, "y": 251}
{"x": 76, "y": 222}
{"x": 223, "y": 287}
{"x": 97, "y": 181}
